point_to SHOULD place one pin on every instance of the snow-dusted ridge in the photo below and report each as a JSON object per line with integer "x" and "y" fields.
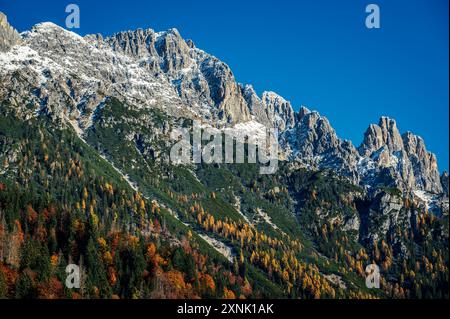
{"x": 68, "y": 76}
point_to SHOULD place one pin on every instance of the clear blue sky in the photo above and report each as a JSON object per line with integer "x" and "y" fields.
{"x": 316, "y": 53}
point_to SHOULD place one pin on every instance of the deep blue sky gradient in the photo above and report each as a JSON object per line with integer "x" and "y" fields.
{"x": 314, "y": 53}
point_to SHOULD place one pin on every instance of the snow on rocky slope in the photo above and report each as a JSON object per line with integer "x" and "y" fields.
{"x": 49, "y": 70}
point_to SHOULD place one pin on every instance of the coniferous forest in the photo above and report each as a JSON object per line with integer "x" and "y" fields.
{"x": 61, "y": 203}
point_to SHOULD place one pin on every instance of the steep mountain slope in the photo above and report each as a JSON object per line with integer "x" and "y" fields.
{"x": 8, "y": 35}
{"x": 160, "y": 70}
{"x": 104, "y": 109}
{"x": 60, "y": 202}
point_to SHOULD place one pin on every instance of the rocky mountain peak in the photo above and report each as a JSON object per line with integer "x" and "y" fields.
{"x": 403, "y": 157}
{"x": 69, "y": 75}
{"x": 173, "y": 50}
{"x": 138, "y": 43}
{"x": 190, "y": 44}
{"x": 280, "y": 109}
{"x": 413, "y": 144}
{"x": 203, "y": 82}
{"x": 391, "y": 135}
{"x": 47, "y": 37}
{"x": 424, "y": 163}
{"x": 302, "y": 112}
{"x": 256, "y": 107}
{"x": 8, "y": 35}
{"x": 50, "y": 31}
{"x": 385, "y": 134}
{"x": 313, "y": 142}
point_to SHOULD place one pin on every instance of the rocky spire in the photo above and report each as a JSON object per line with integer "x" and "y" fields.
{"x": 314, "y": 143}
{"x": 302, "y": 112}
{"x": 279, "y": 109}
{"x": 385, "y": 134}
{"x": 8, "y": 35}
{"x": 423, "y": 163}
{"x": 173, "y": 50}
{"x": 271, "y": 109}
{"x": 256, "y": 106}
{"x": 203, "y": 82}
{"x": 405, "y": 156}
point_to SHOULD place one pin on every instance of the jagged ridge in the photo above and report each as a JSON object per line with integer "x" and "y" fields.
{"x": 68, "y": 77}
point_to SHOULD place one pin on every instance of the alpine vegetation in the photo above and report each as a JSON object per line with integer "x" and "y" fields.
{"x": 137, "y": 163}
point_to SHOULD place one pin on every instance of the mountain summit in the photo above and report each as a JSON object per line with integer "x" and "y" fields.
{"x": 68, "y": 77}
{"x": 87, "y": 178}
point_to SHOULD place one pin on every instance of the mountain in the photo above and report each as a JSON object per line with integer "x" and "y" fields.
{"x": 314, "y": 143}
{"x": 8, "y": 35}
{"x": 406, "y": 154}
{"x": 85, "y": 125}
{"x": 162, "y": 70}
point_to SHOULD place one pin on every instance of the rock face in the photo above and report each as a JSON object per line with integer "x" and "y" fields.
{"x": 314, "y": 143}
{"x": 423, "y": 163}
{"x": 385, "y": 134}
{"x": 444, "y": 182}
{"x": 271, "y": 109}
{"x": 201, "y": 80}
{"x": 383, "y": 214}
{"x": 403, "y": 158}
{"x": 8, "y": 35}
{"x": 49, "y": 70}
{"x": 280, "y": 110}
{"x": 385, "y": 157}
